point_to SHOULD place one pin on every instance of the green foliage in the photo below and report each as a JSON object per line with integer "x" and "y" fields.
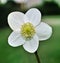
{"x": 49, "y": 8}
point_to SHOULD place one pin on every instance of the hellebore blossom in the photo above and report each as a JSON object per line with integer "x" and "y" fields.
{"x": 28, "y": 29}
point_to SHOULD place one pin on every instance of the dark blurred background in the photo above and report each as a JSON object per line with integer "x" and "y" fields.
{"x": 48, "y": 7}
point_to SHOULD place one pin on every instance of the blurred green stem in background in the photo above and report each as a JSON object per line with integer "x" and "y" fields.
{"x": 37, "y": 57}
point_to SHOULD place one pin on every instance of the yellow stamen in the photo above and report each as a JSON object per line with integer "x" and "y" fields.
{"x": 27, "y": 30}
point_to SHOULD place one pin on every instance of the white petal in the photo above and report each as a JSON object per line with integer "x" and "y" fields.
{"x": 15, "y": 19}
{"x": 44, "y": 31}
{"x": 34, "y": 16}
{"x": 15, "y": 39}
{"x": 31, "y": 45}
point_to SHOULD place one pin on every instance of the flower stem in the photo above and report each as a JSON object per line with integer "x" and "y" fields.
{"x": 37, "y": 57}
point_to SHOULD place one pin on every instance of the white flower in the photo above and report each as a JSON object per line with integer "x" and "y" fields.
{"x": 28, "y": 29}
{"x": 20, "y": 1}
{"x": 3, "y": 1}
{"x": 31, "y": 3}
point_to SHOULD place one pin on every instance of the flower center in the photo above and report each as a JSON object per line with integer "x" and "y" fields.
{"x": 27, "y": 30}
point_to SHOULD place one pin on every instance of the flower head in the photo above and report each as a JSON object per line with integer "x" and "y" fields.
{"x": 28, "y": 29}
